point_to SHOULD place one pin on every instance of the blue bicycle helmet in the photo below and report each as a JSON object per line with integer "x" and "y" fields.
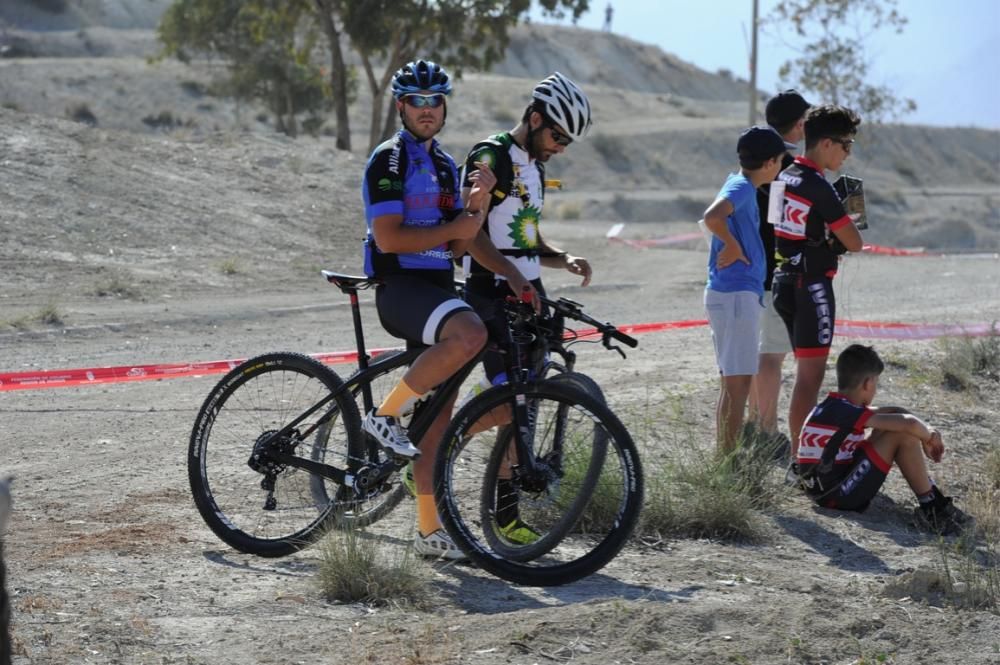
{"x": 420, "y": 76}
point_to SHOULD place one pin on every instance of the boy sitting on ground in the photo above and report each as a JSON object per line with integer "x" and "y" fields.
{"x": 839, "y": 468}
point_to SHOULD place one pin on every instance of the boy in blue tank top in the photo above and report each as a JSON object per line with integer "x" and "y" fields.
{"x": 736, "y": 270}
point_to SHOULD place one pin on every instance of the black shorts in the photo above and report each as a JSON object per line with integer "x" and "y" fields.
{"x": 852, "y": 488}
{"x": 415, "y": 306}
{"x": 808, "y": 308}
{"x": 486, "y": 293}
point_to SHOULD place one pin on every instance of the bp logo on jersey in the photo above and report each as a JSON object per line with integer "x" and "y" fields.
{"x": 524, "y": 228}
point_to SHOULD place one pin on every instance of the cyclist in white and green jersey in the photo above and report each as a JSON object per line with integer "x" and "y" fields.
{"x": 559, "y": 113}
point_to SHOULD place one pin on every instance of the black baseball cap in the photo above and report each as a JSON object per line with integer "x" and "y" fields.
{"x": 759, "y": 144}
{"x": 785, "y": 108}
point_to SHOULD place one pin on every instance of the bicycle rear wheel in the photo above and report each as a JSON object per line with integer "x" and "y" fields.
{"x": 582, "y": 508}
{"x": 254, "y": 504}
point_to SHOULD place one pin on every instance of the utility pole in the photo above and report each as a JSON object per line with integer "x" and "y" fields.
{"x": 753, "y": 66}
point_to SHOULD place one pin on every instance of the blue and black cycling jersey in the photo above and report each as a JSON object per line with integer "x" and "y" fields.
{"x": 404, "y": 178}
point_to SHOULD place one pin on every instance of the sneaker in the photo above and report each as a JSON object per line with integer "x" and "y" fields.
{"x": 520, "y": 533}
{"x": 438, "y": 545}
{"x": 408, "y": 482}
{"x": 780, "y": 446}
{"x": 792, "y": 477}
{"x": 390, "y": 435}
{"x": 941, "y": 516}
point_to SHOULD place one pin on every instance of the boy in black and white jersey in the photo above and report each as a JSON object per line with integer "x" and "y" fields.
{"x": 842, "y": 469}
{"x": 813, "y": 232}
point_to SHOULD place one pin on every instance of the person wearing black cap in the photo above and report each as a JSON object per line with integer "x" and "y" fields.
{"x": 736, "y": 269}
{"x": 786, "y": 114}
{"x": 814, "y": 230}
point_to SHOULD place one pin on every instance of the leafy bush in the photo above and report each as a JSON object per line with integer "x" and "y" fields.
{"x": 230, "y": 267}
{"x": 693, "y": 492}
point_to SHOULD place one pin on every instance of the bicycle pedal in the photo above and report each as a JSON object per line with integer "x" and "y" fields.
{"x": 400, "y": 457}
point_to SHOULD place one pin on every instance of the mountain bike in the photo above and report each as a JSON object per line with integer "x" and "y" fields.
{"x": 566, "y": 463}
{"x": 277, "y": 456}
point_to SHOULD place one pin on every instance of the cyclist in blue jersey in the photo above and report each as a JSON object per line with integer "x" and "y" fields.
{"x": 416, "y": 225}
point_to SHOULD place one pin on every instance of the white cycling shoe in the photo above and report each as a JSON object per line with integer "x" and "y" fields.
{"x": 438, "y": 545}
{"x": 387, "y": 431}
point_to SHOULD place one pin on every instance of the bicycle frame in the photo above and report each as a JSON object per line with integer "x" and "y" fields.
{"x": 427, "y": 412}
{"x": 360, "y": 381}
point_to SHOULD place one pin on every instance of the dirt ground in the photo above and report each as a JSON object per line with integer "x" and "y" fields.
{"x": 119, "y": 248}
{"x": 110, "y": 562}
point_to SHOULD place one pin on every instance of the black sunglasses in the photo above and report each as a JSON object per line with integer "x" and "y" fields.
{"x": 558, "y": 135}
{"x": 846, "y": 144}
{"x": 421, "y": 101}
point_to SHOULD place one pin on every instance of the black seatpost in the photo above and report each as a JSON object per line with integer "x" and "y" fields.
{"x": 359, "y": 335}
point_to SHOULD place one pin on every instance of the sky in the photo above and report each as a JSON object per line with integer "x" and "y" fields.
{"x": 946, "y": 59}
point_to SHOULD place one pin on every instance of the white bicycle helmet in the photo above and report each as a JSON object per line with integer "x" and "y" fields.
{"x": 564, "y": 104}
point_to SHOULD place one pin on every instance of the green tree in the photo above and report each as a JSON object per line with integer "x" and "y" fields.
{"x": 387, "y": 34}
{"x": 833, "y": 65}
{"x": 267, "y": 46}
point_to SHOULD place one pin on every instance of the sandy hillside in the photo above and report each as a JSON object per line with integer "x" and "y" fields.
{"x": 125, "y": 245}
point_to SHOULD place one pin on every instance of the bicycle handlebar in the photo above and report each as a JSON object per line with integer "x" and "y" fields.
{"x": 573, "y": 310}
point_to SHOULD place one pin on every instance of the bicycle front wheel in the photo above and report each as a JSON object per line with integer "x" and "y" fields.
{"x": 571, "y": 517}
{"x": 255, "y": 504}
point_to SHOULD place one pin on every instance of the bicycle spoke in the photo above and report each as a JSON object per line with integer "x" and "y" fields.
{"x": 558, "y": 524}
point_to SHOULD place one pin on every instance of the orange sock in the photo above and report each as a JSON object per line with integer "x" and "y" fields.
{"x": 427, "y": 515}
{"x": 398, "y": 401}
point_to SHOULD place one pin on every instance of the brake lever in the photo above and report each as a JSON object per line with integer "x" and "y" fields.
{"x": 611, "y": 347}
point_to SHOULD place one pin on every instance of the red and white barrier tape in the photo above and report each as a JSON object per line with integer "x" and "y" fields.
{"x": 658, "y": 242}
{"x": 61, "y": 378}
{"x": 880, "y": 330}
{"x": 895, "y": 251}
{"x": 614, "y": 235}
{"x": 98, "y": 375}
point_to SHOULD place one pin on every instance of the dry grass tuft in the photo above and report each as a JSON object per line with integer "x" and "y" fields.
{"x": 358, "y": 567}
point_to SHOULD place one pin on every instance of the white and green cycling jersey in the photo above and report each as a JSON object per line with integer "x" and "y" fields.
{"x": 516, "y": 205}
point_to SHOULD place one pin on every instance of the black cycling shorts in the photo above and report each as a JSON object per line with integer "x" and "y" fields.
{"x": 855, "y": 487}
{"x": 415, "y": 306}
{"x": 808, "y": 308}
{"x": 486, "y": 294}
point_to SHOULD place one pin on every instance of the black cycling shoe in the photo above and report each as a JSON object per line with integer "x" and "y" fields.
{"x": 940, "y": 516}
